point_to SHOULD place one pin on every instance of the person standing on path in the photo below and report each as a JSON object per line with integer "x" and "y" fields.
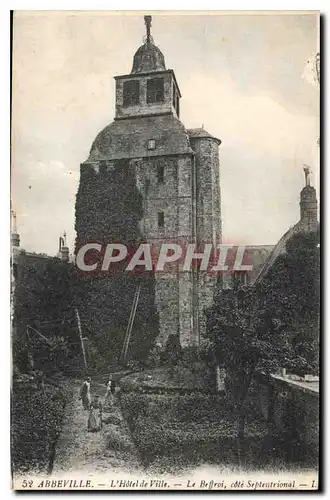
{"x": 85, "y": 394}
{"x": 95, "y": 416}
{"x": 111, "y": 388}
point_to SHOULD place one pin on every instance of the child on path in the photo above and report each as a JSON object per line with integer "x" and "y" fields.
{"x": 85, "y": 394}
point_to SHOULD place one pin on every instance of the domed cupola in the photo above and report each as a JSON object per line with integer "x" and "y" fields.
{"x": 148, "y": 57}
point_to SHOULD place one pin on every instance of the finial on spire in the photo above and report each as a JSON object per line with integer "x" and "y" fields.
{"x": 14, "y": 235}
{"x": 13, "y": 213}
{"x": 307, "y": 171}
{"x": 147, "y": 22}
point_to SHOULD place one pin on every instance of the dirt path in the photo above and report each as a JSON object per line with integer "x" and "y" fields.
{"x": 110, "y": 450}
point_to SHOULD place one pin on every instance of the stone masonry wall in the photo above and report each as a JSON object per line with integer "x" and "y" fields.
{"x": 174, "y": 198}
{"x": 208, "y": 221}
{"x": 144, "y": 108}
{"x": 290, "y": 408}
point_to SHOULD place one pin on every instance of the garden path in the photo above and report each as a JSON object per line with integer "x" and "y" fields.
{"x": 80, "y": 451}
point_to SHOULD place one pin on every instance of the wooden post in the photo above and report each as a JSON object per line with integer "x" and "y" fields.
{"x": 218, "y": 378}
{"x": 81, "y": 338}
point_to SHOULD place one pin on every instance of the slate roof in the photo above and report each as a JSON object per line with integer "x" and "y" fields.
{"x": 201, "y": 133}
{"x": 128, "y": 138}
{"x": 279, "y": 249}
{"x": 258, "y": 255}
{"x": 255, "y": 255}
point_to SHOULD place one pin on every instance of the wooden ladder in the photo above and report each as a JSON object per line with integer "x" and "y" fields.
{"x": 130, "y": 326}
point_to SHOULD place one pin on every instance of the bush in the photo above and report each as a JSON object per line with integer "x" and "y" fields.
{"x": 134, "y": 405}
{"x": 154, "y": 358}
{"x": 173, "y": 408}
{"x": 194, "y": 426}
{"x": 194, "y": 354}
{"x": 173, "y": 351}
{"x": 118, "y": 441}
{"x": 36, "y": 420}
{"x": 199, "y": 408}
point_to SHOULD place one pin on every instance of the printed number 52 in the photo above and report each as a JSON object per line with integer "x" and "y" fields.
{"x": 26, "y": 484}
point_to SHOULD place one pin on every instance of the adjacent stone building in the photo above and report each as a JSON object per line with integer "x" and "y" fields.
{"x": 308, "y": 223}
{"x": 176, "y": 172}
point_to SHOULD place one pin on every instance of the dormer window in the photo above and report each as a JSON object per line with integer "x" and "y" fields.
{"x": 155, "y": 90}
{"x": 131, "y": 91}
{"x": 151, "y": 144}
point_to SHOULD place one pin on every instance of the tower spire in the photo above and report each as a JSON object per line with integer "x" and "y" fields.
{"x": 308, "y": 203}
{"x": 14, "y": 234}
{"x": 147, "y": 22}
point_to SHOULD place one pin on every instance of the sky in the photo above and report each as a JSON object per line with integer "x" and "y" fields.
{"x": 244, "y": 77}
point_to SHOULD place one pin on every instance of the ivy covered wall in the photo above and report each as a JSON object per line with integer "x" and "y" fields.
{"x": 108, "y": 209}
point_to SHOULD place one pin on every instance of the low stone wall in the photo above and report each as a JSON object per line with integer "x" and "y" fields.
{"x": 292, "y": 407}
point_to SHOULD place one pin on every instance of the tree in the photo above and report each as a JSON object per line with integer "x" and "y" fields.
{"x": 262, "y": 328}
{"x": 43, "y": 300}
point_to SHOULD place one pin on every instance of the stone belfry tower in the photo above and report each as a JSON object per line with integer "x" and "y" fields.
{"x": 176, "y": 171}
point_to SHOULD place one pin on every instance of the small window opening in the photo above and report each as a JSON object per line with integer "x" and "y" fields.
{"x": 161, "y": 220}
{"x": 160, "y": 174}
{"x": 151, "y": 144}
{"x": 155, "y": 90}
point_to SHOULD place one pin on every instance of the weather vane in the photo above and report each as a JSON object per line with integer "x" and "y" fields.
{"x": 147, "y": 21}
{"x": 307, "y": 171}
{"x": 13, "y": 213}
